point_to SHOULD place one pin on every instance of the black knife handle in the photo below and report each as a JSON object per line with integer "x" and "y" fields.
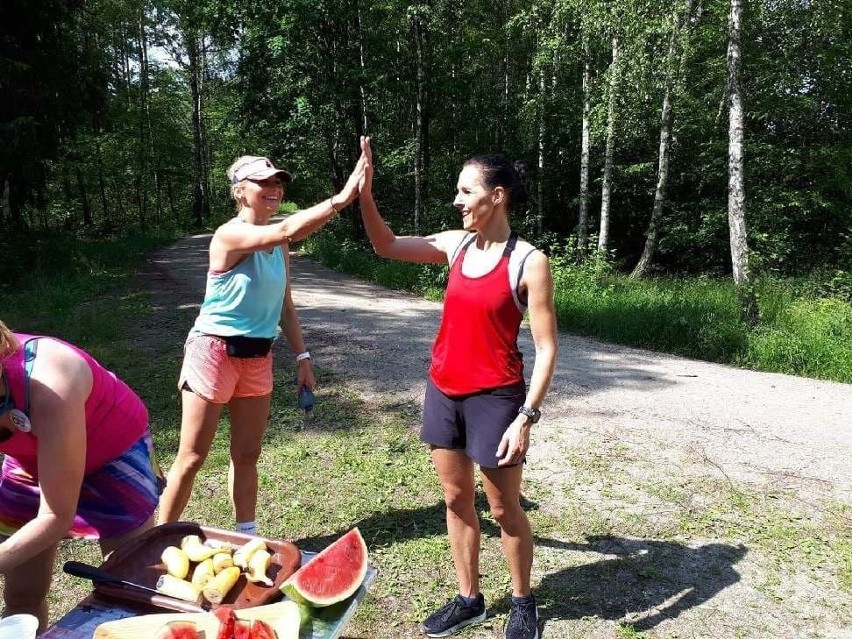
{"x": 86, "y": 571}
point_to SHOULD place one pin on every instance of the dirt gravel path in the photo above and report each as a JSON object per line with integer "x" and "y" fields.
{"x": 650, "y": 420}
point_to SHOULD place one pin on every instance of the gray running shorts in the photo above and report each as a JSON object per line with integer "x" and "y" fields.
{"x": 473, "y": 423}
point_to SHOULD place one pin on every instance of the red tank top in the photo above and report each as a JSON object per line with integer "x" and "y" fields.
{"x": 476, "y": 347}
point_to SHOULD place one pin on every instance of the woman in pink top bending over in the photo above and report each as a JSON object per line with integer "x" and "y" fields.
{"x": 78, "y": 462}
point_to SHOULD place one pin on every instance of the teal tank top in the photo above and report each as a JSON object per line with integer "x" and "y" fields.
{"x": 246, "y": 300}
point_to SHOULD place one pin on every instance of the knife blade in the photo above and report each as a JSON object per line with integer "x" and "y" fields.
{"x": 98, "y": 575}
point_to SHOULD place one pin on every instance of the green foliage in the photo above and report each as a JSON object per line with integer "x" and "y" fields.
{"x": 124, "y": 114}
{"x": 427, "y": 280}
{"x": 53, "y": 293}
{"x": 30, "y": 257}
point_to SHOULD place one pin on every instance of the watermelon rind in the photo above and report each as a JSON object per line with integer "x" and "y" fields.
{"x": 333, "y": 575}
{"x": 287, "y": 625}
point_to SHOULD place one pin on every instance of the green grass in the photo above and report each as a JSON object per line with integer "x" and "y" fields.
{"x": 805, "y": 324}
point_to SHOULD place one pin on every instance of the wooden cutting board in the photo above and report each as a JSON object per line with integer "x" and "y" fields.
{"x": 148, "y": 625}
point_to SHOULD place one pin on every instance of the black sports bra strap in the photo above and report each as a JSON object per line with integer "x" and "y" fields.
{"x": 510, "y": 245}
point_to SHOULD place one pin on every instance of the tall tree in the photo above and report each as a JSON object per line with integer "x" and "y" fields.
{"x": 672, "y": 72}
{"x": 736, "y": 166}
{"x": 585, "y": 142}
{"x": 419, "y": 16}
{"x": 609, "y": 153}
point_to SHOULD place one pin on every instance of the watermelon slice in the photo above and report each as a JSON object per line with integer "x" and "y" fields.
{"x": 178, "y": 630}
{"x": 261, "y": 630}
{"x": 227, "y": 621}
{"x": 333, "y": 575}
{"x": 242, "y": 629}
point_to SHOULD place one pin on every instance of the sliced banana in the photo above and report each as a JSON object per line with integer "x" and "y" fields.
{"x": 195, "y": 549}
{"x": 203, "y": 573}
{"x": 242, "y": 555}
{"x": 176, "y": 562}
{"x": 258, "y": 565}
{"x": 178, "y": 588}
{"x": 222, "y": 560}
{"x": 217, "y": 588}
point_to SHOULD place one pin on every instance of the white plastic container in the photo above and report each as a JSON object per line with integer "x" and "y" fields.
{"x": 18, "y": 627}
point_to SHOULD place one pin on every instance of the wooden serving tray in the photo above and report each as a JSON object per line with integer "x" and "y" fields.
{"x": 148, "y": 625}
{"x": 139, "y": 561}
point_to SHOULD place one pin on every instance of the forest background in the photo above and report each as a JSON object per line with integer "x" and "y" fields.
{"x": 689, "y": 160}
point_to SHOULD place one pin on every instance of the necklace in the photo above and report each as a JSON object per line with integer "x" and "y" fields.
{"x": 17, "y": 417}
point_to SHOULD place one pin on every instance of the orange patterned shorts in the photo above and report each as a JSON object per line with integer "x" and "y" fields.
{"x": 212, "y": 374}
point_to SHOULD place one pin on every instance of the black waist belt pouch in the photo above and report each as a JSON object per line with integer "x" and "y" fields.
{"x": 245, "y": 347}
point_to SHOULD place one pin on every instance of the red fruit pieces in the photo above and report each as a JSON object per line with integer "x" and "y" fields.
{"x": 232, "y": 628}
{"x": 227, "y": 621}
{"x": 178, "y": 630}
{"x": 261, "y": 630}
{"x": 242, "y": 629}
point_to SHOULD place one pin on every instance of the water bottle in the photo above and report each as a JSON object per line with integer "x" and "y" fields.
{"x": 306, "y": 399}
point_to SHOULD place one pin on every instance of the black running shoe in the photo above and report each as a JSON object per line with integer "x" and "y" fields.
{"x": 453, "y": 616}
{"x": 523, "y": 621}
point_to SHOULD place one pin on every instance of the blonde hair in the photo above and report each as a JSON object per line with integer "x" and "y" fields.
{"x": 8, "y": 342}
{"x": 240, "y": 161}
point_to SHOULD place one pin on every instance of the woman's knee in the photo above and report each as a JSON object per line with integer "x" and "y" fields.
{"x": 189, "y": 463}
{"x": 458, "y": 500}
{"x": 508, "y": 514}
{"x": 245, "y": 457}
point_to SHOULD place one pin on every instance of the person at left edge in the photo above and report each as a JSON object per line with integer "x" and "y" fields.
{"x": 78, "y": 462}
{"x": 227, "y": 356}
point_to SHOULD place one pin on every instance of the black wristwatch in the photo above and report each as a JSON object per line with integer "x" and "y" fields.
{"x": 533, "y": 414}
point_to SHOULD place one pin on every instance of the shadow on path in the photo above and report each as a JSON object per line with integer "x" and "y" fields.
{"x": 641, "y": 581}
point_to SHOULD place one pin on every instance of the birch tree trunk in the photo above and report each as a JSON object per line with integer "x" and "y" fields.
{"x": 142, "y": 158}
{"x": 362, "y": 64}
{"x": 583, "y": 222}
{"x": 200, "y": 199}
{"x": 542, "y": 141}
{"x": 5, "y": 203}
{"x": 660, "y": 194}
{"x": 102, "y": 190}
{"x": 421, "y": 124}
{"x": 606, "y": 187}
{"x": 736, "y": 176}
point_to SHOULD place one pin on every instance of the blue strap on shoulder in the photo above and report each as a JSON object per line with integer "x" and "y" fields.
{"x": 30, "y": 349}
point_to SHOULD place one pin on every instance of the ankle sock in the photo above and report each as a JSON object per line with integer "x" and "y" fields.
{"x": 529, "y": 599}
{"x": 471, "y": 601}
{"x": 247, "y": 527}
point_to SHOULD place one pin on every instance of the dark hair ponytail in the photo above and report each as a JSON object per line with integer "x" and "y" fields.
{"x": 498, "y": 171}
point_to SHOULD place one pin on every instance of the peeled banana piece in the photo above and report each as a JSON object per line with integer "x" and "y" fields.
{"x": 176, "y": 562}
{"x": 178, "y": 588}
{"x": 195, "y": 549}
{"x": 258, "y": 565}
{"x": 203, "y": 573}
{"x": 218, "y": 587}
{"x": 222, "y": 560}
{"x": 243, "y": 554}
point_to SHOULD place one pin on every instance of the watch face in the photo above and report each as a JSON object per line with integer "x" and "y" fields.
{"x": 533, "y": 413}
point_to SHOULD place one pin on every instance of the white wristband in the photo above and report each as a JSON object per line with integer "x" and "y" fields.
{"x": 303, "y": 356}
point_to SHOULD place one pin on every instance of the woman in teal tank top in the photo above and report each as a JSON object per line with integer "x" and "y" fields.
{"x": 227, "y": 356}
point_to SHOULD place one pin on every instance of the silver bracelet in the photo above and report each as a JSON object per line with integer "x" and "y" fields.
{"x": 303, "y": 356}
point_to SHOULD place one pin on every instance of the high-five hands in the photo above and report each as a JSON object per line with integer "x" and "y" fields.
{"x": 366, "y": 184}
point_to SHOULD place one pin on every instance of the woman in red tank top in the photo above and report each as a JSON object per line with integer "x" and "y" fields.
{"x": 477, "y": 410}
